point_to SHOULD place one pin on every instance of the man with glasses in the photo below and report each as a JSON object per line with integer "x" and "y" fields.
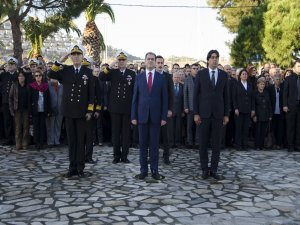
{"x": 77, "y": 106}
{"x": 188, "y": 95}
{"x": 122, "y": 83}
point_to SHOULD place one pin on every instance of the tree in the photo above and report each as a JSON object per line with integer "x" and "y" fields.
{"x": 247, "y": 45}
{"x": 232, "y": 11}
{"x": 17, "y": 10}
{"x": 282, "y": 31}
{"x": 36, "y": 32}
{"x": 92, "y": 37}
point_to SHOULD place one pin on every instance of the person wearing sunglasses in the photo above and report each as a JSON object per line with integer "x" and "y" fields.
{"x": 39, "y": 102}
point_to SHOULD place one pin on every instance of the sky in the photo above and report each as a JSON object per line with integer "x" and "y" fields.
{"x": 181, "y": 31}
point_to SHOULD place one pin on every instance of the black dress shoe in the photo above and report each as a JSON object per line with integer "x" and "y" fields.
{"x": 167, "y": 161}
{"x": 70, "y": 174}
{"x": 125, "y": 160}
{"x": 141, "y": 176}
{"x": 189, "y": 146}
{"x": 116, "y": 160}
{"x": 90, "y": 161}
{"x": 216, "y": 176}
{"x": 157, "y": 176}
{"x": 205, "y": 174}
{"x": 8, "y": 142}
{"x": 81, "y": 174}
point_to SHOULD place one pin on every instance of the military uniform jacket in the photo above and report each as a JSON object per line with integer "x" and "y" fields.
{"x": 121, "y": 90}
{"x": 79, "y": 92}
{"x": 6, "y": 81}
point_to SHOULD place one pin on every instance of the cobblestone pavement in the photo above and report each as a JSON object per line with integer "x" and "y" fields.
{"x": 260, "y": 187}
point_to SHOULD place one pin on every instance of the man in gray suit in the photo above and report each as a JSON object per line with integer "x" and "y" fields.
{"x": 188, "y": 92}
{"x": 54, "y": 121}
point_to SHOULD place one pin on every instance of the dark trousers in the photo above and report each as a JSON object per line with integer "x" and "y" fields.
{"x": 149, "y": 139}
{"x": 75, "y": 128}
{"x": 8, "y": 123}
{"x": 293, "y": 128}
{"x": 98, "y": 129}
{"x": 2, "y": 135}
{"x": 278, "y": 128}
{"x": 174, "y": 130}
{"x": 120, "y": 134}
{"x": 260, "y": 133}
{"x": 165, "y": 139}
{"x": 210, "y": 129}
{"x": 135, "y": 134}
{"x": 39, "y": 128}
{"x": 242, "y": 123}
{"x": 89, "y": 139}
{"x": 21, "y": 128}
{"x": 106, "y": 126}
{"x": 190, "y": 125}
{"x": 230, "y": 130}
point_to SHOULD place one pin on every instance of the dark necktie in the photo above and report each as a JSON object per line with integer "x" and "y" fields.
{"x": 277, "y": 90}
{"x": 212, "y": 79}
{"x": 76, "y": 72}
{"x": 149, "y": 81}
{"x": 298, "y": 87}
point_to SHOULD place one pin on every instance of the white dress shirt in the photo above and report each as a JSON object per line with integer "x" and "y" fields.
{"x": 147, "y": 74}
{"x": 244, "y": 84}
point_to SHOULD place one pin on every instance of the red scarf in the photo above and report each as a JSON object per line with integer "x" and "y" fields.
{"x": 42, "y": 87}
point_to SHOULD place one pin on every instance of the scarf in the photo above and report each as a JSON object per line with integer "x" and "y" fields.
{"x": 42, "y": 87}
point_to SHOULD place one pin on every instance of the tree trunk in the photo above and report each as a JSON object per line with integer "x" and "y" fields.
{"x": 17, "y": 38}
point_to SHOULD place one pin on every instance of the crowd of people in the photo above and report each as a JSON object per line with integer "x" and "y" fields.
{"x": 47, "y": 104}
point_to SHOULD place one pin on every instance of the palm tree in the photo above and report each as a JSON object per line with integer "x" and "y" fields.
{"x": 36, "y": 32}
{"x": 93, "y": 40}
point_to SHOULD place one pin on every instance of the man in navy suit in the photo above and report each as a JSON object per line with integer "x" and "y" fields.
{"x": 211, "y": 111}
{"x": 149, "y": 112}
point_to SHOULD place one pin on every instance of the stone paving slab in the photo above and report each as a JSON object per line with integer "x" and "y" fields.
{"x": 260, "y": 187}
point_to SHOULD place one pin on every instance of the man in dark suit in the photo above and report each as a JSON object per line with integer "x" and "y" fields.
{"x": 175, "y": 122}
{"x": 77, "y": 106}
{"x": 164, "y": 129}
{"x": 211, "y": 111}
{"x": 291, "y": 105}
{"x": 149, "y": 112}
{"x": 122, "y": 83}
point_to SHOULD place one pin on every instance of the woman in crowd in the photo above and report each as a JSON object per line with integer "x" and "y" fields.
{"x": 18, "y": 106}
{"x": 39, "y": 107}
{"x": 263, "y": 112}
{"x": 243, "y": 104}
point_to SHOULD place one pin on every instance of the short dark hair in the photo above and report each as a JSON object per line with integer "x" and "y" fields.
{"x": 160, "y": 57}
{"x": 209, "y": 54}
{"x": 150, "y": 53}
{"x": 187, "y": 66}
{"x": 175, "y": 64}
{"x": 296, "y": 61}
